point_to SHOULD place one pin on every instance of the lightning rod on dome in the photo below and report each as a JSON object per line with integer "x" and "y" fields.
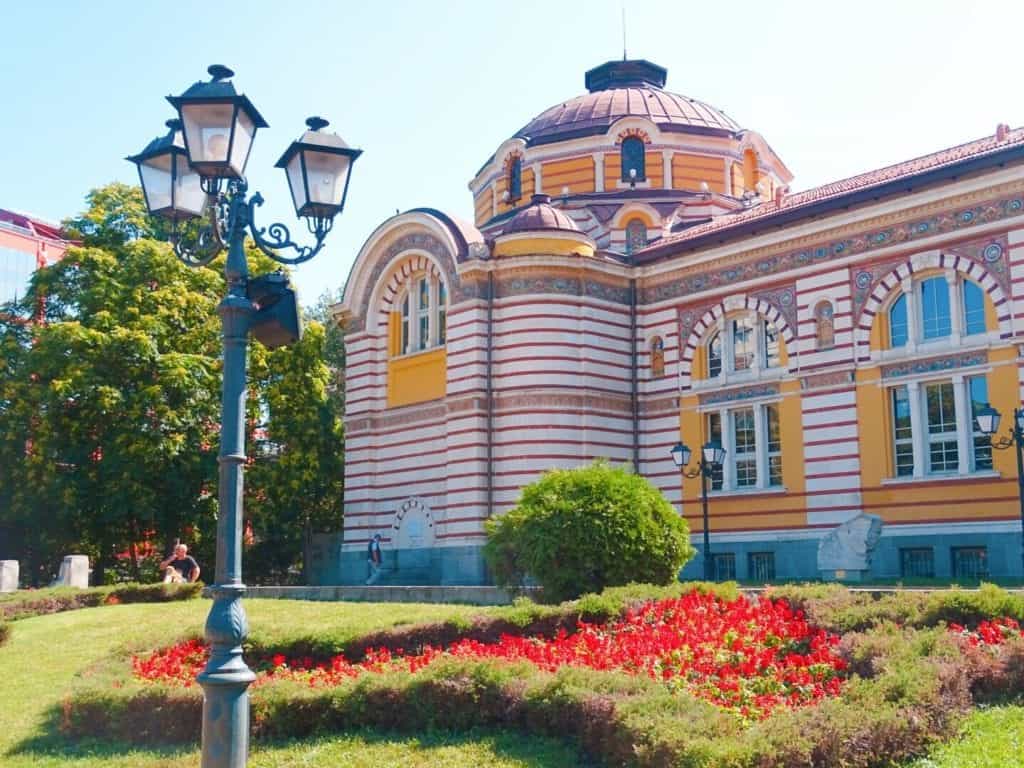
{"x": 624, "y": 30}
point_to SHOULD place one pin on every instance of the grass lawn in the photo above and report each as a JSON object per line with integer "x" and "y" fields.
{"x": 46, "y": 654}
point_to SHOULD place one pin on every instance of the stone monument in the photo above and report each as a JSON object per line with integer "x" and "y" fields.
{"x": 74, "y": 572}
{"x": 8, "y": 575}
{"x": 845, "y": 552}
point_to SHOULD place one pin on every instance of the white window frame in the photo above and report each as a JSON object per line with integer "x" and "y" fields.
{"x": 921, "y": 437}
{"x": 435, "y": 310}
{"x": 758, "y": 366}
{"x": 911, "y": 288}
{"x": 761, "y": 454}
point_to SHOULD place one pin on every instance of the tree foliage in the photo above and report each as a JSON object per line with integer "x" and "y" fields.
{"x": 581, "y": 530}
{"x": 110, "y": 408}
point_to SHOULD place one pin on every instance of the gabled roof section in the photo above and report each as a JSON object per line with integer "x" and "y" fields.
{"x": 1004, "y": 146}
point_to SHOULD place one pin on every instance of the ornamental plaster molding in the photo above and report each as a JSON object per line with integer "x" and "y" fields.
{"x": 660, "y": 406}
{"x": 939, "y": 364}
{"x": 828, "y": 380}
{"x": 735, "y": 395}
{"x": 535, "y": 400}
{"x": 949, "y": 215}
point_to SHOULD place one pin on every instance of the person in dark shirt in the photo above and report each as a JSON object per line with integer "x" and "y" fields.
{"x": 180, "y": 566}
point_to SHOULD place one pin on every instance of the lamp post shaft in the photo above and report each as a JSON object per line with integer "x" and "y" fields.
{"x": 1018, "y": 439}
{"x": 226, "y": 678}
{"x": 704, "y": 472}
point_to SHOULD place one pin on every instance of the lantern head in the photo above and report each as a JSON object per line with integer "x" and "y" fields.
{"x": 680, "y": 455}
{"x": 171, "y": 186}
{"x": 318, "y": 167}
{"x": 219, "y": 125}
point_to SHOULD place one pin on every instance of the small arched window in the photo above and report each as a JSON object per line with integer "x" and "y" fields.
{"x": 825, "y": 326}
{"x": 935, "y": 311}
{"x": 898, "y": 328}
{"x": 515, "y": 178}
{"x": 633, "y": 159}
{"x": 657, "y": 357}
{"x": 636, "y": 235}
{"x": 423, "y": 314}
{"x": 715, "y": 356}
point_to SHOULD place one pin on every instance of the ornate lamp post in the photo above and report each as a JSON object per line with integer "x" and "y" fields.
{"x": 988, "y": 422}
{"x": 198, "y": 170}
{"x": 712, "y": 457}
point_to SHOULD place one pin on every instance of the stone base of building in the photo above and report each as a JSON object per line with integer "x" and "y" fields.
{"x": 796, "y": 559}
{"x": 455, "y": 566}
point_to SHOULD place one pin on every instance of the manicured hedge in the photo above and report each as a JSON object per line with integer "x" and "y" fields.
{"x": 26, "y": 604}
{"x": 911, "y": 685}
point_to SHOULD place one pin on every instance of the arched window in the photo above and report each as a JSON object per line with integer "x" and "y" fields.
{"x": 423, "y": 314}
{"x": 936, "y": 321}
{"x": 974, "y": 308}
{"x": 515, "y": 178}
{"x": 633, "y": 159}
{"x": 636, "y": 235}
{"x": 825, "y": 326}
{"x": 898, "y": 328}
{"x": 715, "y": 356}
{"x": 747, "y": 343}
{"x": 657, "y": 357}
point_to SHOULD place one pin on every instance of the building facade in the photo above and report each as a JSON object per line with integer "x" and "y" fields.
{"x": 638, "y": 272}
{"x": 26, "y": 244}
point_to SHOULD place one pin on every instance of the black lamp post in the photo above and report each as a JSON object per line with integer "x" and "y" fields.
{"x": 712, "y": 457}
{"x": 988, "y": 422}
{"x": 198, "y": 169}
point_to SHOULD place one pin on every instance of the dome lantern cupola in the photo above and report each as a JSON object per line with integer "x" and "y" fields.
{"x": 635, "y": 73}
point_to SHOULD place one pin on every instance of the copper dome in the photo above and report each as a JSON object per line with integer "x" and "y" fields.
{"x": 617, "y": 89}
{"x": 539, "y": 215}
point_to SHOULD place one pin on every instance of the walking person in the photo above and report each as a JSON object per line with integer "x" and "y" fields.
{"x": 374, "y": 559}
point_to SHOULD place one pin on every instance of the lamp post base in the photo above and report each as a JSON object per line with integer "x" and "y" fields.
{"x": 225, "y": 682}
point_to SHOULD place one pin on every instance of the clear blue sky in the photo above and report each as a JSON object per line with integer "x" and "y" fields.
{"x": 429, "y": 89}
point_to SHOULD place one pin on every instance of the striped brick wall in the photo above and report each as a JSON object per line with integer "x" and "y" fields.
{"x": 831, "y": 455}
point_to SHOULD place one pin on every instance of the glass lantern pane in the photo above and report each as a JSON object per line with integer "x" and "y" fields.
{"x": 189, "y": 196}
{"x": 155, "y": 174}
{"x": 244, "y": 130}
{"x": 294, "y": 171}
{"x": 208, "y": 131}
{"x": 326, "y": 173}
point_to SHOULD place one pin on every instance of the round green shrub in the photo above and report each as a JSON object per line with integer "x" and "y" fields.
{"x": 580, "y": 530}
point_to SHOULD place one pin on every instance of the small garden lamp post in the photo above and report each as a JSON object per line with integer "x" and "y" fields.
{"x": 988, "y": 422}
{"x": 712, "y": 457}
{"x": 198, "y": 170}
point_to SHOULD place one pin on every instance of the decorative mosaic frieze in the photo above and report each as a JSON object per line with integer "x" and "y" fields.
{"x": 826, "y": 380}
{"x": 660, "y": 406}
{"x": 906, "y": 232}
{"x": 560, "y": 285}
{"x": 934, "y": 364}
{"x": 735, "y": 395}
{"x": 542, "y": 399}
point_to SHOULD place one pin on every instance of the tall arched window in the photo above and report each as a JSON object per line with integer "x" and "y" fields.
{"x": 974, "y": 308}
{"x": 636, "y": 235}
{"x": 936, "y": 321}
{"x": 423, "y": 311}
{"x": 747, "y": 343}
{"x": 825, "y": 325}
{"x": 715, "y": 356}
{"x": 633, "y": 159}
{"x": 657, "y": 357}
{"x": 515, "y": 178}
{"x": 898, "y": 328}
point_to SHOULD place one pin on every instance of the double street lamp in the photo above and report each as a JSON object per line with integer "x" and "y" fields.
{"x": 196, "y": 173}
{"x": 712, "y": 458}
{"x": 988, "y": 422}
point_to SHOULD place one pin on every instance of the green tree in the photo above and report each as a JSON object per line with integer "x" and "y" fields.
{"x": 110, "y": 407}
{"x": 581, "y": 530}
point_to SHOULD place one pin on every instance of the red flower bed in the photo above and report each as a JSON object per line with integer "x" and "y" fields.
{"x": 745, "y": 656}
{"x": 994, "y": 632}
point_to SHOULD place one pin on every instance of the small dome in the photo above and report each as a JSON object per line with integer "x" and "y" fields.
{"x": 618, "y": 89}
{"x": 540, "y": 215}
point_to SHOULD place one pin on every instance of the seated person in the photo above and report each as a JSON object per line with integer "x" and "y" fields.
{"x": 180, "y": 567}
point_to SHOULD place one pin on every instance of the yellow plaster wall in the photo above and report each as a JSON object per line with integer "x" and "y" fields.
{"x": 743, "y": 511}
{"x": 655, "y": 169}
{"x": 546, "y": 245}
{"x": 417, "y": 378}
{"x": 939, "y": 499}
{"x": 737, "y": 179}
{"x": 576, "y": 173}
{"x": 688, "y": 171}
{"x": 483, "y": 206}
{"x": 414, "y": 378}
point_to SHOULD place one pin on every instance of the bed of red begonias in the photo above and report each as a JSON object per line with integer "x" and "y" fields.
{"x": 988, "y": 633}
{"x": 748, "y": 656}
